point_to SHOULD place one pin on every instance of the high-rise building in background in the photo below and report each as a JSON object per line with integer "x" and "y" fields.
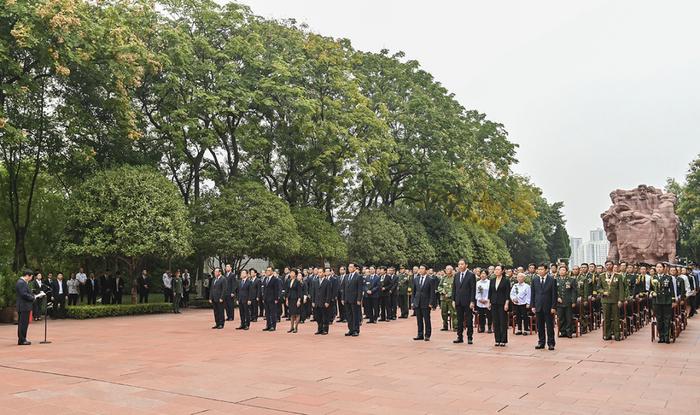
{"x": 593, "y": 250}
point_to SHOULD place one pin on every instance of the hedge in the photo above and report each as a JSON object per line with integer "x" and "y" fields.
{"x": 113, "y": 310}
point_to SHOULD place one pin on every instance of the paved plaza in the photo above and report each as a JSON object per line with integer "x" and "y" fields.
{"x": 175, "y": 364}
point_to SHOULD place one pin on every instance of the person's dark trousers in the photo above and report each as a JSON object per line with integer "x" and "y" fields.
{"x": 143, "y": 297}
{"x": 319, "y": 316}
{"x": 663, "y": 320}
{"x": 369, "y": 310}
{"x": 545, "y": 319}
{"x": 365, "y": 307}
{"x": 254, "y": 309}
{"x": 377, "y": 307}
{"x": 565, "y": 317}
{"x": 244, "y": 311}
{"x": 176, "y": 303}
{"x": 117, "y": 298}
{"x": 22, "y": 325}
{"x": 263, "y": 308}
{"x": 341, "y": 311}
{"x": 484, "y": 318}
{"x": 228, "y": 305}
{"x": 332, "y": 312}
{"x": 393, "y": 303}
{"x": 279, "y": 310}
{"x": 521, "y": 317}
{"x": 83, "y": 292}
{"x": 327, "y": 317}
{"x": 186, "y": 299}
{"x": 167, "y": 295}
{"x": 384, "y": 307}
{"x": 425, "y": 329}
{"x": 218, "y": 313}
{"x": 403, "y": 304}
{"x": 59, "y": 306}
{"x": 37, "y": 309}
{"x": 271, "y": 314}
{"x": 72, "y": 299}
{"x": 107, "y": 299}
{"x": 500, "y": 323}
{"x": 464, "y": 314}
{"x": 353, "y": 315}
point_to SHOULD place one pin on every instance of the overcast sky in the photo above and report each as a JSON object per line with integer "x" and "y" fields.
{"x": 598, "y": 94}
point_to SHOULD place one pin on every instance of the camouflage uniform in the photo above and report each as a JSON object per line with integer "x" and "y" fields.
{"x": 446, "y": 307}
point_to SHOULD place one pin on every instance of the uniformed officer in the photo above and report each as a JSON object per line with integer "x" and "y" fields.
{"x": 663, "y": 296}
{"x": 611, "y": 288}
{"x": 444, "y": 290}
{"x": 566, "y": 301}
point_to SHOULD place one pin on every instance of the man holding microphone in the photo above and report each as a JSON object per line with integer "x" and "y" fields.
{"x": 25, "y": 300}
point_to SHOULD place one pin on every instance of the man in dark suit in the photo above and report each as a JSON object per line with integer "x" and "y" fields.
{"x": 106, "y": 288}
{"x": 231, "y": 286}
{"x": 544, "y": 302}
{"x": 118, "y": 288}
{"x": 353, "y": 285}
{"x": 60, "y": 293}
{"x": 372, "y": 295}
{"x": 244, "y": 294}
{"x": 271, "y": 297}
{"x": 93, "y": 288}
{"x": 463, "y": 294}
{"x": 25, "y": 300}
{"x": 341, "y": 286}
{"x": 144, "y": 286}
{"x": 424, "y": 298}
{"x": 335, "y": 288}
{"x": 320, "y": 301}
{"x": 394, "y": 293}
{"x": 255, "y": 285}
{"x": 217, "y": 292}
{"x": 384, "y": 294}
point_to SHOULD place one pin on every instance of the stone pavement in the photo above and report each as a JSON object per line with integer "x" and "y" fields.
{"x": 175, "y": 364}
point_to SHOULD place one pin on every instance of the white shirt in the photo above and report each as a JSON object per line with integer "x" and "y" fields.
{"x": 81, "y": 277}
{"x": 521, "y": 293}
{"x": 167, "y": 281}
{"x": 675, "y": 287}
{"x": 647, "y": 281}
{"x": 72, "y": 286}
{"x": 688, "y": 291}
{"x": 60, "y": 287}
{"x": 483, "y": 286}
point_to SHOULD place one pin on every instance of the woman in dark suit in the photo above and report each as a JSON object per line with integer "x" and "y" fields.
{"x": 296, "y": 295}
{"x": 499, "y": 299}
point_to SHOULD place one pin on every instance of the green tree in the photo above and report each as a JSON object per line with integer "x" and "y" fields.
{"x": 688, "y": 211}
{"x": 419, "y": 249}
{"x": 450, "y": 239}
{"x": 245, "y": 221}
{"x": 127, "y": 213}
{"x": 376, "y": 239}
{"x": 320, "y": 240}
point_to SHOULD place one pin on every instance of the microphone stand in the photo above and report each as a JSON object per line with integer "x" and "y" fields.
{"x": 46, "y": 319}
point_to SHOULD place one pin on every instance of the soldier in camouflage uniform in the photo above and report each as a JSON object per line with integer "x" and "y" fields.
{"x": 445, "y": 292}
{"x": 611, "y": 288}
{"x": 585, "y": 292}
{"x": 404, "y": 287}
{"x": 566, "y": 301}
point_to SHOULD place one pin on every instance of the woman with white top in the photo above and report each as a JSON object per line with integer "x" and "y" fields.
{"x": 520, "y": 296}
{"x": 482, "y": 301}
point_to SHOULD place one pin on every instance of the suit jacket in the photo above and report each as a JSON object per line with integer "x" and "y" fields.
{"x": 55, "y": 289}
{"x": 119, "y": 284}
{"x": 394, "y": 284}
{"x": 372, "y": 285}
{"x": 231, "y": 283}
{"x": 143, "y": 282}
{"x": 245, "y": 291}
{"x": 89, "y": 286}
{"x": 424, "y": 295}
{"x": 499, "y": 295}
{"x": 464, "y": 291}
{"x": 273, "y": 289}
{"x": 321, "y": 291}
{"x": 295, "y": 290}
{"x": 217, "y": 291}
{"x": 106, "y": 284}
{"x": 353, "y": 287}
{"x": 386, "y": 285}
{"x": 25, "y": 298}
{"x": 543, "y": 297}
{"x": 255, "y": 292}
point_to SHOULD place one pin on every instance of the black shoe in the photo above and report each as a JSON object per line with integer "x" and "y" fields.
{"x": 520, "y": 333}
{"x": 240, "y": 328}
{"x": 539, "y": 347}
{"x": 355, "y": 334}
{"x": 220, "y": 327}
{"x": 318, "y": 332}
{"x": 229, "y": 319}
{"x": 427, "y": 339}
{"x": 215, "y": 327}
{"x": 490, "y": 331}
{"x": 444, "y": 329}
{"x": 246, "y": 327}
{"x": 324, "y": 333}
{"x": 607, "y": 338}
{"x": 272, "y": 329}
{"x": 458, "y": 341}
{"x": 469, "y": 341}
{"x": 290, "y": 331}
{"x": 24, "y": 343}
{"x": 617, "y": 339}
{"x": 418, "y": 338}
{"x": 266, "y": 329}
{"x": 382, "y": 319}
{"x": 348, "y": 333}
{"x": 524, "y": 333}
{"x": 550, "y": 347}
{"x": 571, "y": 336}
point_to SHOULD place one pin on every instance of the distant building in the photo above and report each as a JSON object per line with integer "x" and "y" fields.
{"x": 594, "y": 250}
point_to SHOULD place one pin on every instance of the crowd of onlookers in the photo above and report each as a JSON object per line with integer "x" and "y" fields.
{"x": 109, "y": 288}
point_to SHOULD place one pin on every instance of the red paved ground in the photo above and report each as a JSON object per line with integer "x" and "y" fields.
{"x": 168, "y": 364}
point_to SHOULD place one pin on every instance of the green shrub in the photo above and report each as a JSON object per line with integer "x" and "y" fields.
{"x": 113, "y": 310}
{"x": 8, "y": 296}
{"x": 199, "y": 303}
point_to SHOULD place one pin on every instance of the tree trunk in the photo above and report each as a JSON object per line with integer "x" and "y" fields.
{"x": 20, "y": 259}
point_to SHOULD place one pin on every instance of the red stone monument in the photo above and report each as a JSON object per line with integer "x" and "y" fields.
{"x": 641, "y": 225}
